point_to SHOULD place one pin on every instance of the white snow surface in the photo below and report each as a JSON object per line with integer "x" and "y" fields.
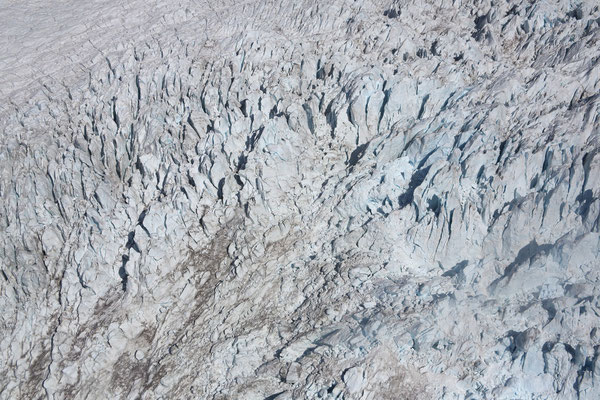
{"x": 300, "y": 199}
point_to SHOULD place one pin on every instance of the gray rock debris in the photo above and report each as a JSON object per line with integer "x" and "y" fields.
{"x": 300, "y": 199}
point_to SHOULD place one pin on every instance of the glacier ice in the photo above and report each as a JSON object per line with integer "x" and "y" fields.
{"x": 300, "y": 199}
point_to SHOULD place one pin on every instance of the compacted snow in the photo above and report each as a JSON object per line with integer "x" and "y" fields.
{"x": 294, "y": 199}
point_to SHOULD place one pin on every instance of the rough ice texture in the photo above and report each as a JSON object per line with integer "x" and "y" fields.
{"x": 300, "y": 199}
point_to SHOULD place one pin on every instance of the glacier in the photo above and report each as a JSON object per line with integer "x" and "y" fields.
{"x": 300, "y": 199}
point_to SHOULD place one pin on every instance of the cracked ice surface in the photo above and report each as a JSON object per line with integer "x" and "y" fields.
{"x": 300, "y": 199}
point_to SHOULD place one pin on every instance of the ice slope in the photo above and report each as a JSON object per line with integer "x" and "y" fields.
{"x": 300, "y": 199}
